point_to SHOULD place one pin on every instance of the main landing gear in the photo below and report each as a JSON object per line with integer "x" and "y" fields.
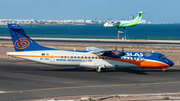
{"x": 99, "y": 69}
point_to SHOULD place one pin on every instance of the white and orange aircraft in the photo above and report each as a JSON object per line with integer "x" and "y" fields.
{"x": 94, "y": 58}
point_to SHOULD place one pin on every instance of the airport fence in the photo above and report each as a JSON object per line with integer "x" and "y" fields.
{"x": 121, "y": 36}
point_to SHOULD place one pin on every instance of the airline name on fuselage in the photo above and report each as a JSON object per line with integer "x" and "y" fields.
{"x": 75, "y": 60}
{"x": 134, "y": 54}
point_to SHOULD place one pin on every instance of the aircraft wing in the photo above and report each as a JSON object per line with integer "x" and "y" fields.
{"x": 98, "y": 51}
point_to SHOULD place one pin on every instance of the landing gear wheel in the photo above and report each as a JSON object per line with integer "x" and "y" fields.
{"x": 98, "y": 70}
{"x": 163, "y": 69}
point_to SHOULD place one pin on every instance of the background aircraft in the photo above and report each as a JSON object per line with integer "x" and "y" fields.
{"x": 94, "y": 58}
{"x": 124, "y": 24}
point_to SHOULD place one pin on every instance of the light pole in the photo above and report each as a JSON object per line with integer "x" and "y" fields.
{"x": 118, "y": 33}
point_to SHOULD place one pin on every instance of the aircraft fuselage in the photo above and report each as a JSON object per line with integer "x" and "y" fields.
{"x": 88, "y": 60}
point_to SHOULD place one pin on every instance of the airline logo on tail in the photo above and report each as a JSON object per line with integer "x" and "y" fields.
{"x": 22, "y": 43}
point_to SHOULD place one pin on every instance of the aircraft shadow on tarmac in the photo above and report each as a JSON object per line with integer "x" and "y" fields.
{"x": 116, "y": 70}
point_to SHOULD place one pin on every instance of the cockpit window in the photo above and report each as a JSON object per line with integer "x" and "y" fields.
{"x": 162, "y": 57}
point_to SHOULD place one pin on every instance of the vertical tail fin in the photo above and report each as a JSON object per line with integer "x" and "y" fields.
{"x": 136, "y": 21}
{"x": 22, "y": 42}
{"x": 139, "y": 16}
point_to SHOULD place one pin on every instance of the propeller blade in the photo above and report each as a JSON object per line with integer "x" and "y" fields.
{"x": 123, "y": 52}
{"x": 116, "y": 47}
{"x": 138, "y": 13}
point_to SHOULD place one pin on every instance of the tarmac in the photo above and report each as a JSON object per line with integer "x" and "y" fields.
{"x": 23, "y": 80}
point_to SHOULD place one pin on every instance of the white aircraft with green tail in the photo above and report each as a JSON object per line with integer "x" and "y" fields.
{"x": 124, "y": 24}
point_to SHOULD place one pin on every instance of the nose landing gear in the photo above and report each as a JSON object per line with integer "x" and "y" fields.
{"x": 163, "y": 69}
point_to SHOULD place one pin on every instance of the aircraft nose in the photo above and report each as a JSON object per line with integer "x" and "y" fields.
{"x": 171, "y": 63}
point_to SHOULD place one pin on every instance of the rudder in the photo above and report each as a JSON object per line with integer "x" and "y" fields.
{"x": 22, "y": 42}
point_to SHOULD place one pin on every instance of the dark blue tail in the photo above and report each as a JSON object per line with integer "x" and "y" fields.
{"x": 22, "y": 42}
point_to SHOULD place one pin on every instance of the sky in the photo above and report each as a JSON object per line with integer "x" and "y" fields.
{"x": 157, "y": 10}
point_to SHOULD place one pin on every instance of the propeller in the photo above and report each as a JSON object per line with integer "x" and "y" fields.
{"x": 116, "y": 47}
{"x": 138, "y": 13}
{"x": 123, "y": 52}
